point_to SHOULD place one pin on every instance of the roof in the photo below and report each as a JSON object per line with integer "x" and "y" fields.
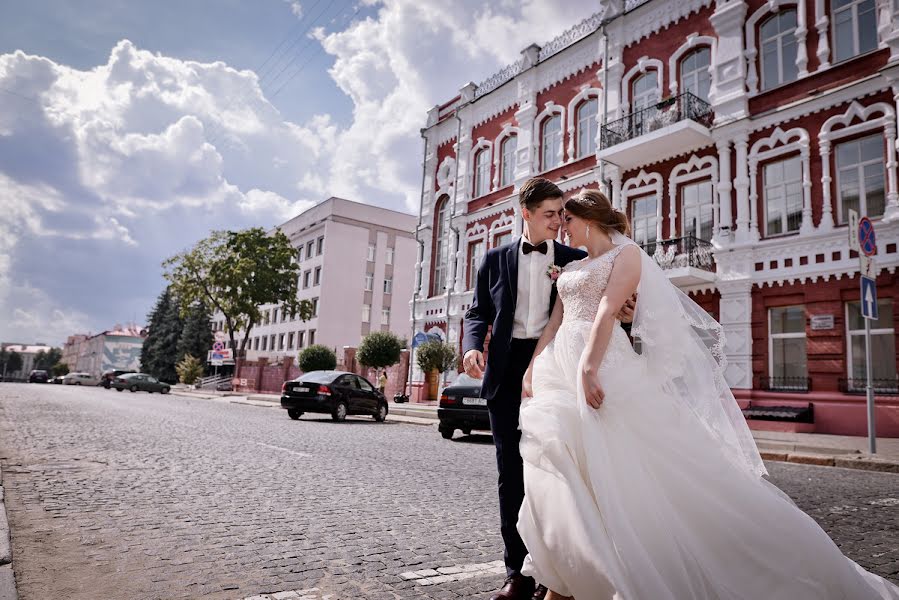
{"x": 26, "y": 348}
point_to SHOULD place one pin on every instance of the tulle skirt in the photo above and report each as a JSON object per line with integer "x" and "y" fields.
{"x": 634, "y": 501}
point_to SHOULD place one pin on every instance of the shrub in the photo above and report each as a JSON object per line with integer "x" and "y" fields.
{"x": 189, "y": 370}
{"x": 379, "y": 350}
{"x": 317, "y": 358}
{"x": 436, "y": 355}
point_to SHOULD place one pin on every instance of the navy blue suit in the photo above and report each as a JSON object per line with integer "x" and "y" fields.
{"x": 495, "y": 296}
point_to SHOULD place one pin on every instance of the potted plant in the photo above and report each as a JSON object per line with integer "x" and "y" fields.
{"x": 434, "y": 358}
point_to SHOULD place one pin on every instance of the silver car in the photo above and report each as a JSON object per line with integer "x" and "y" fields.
{"x": 80, "y": 379}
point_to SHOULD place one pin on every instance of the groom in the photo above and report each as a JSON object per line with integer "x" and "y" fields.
{"x": 515, "y": 294}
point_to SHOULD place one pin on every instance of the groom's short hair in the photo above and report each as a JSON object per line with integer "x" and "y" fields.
{"x": 536, "y": 190}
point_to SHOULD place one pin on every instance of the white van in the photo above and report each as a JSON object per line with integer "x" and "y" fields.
{"x": 80, "y": 379}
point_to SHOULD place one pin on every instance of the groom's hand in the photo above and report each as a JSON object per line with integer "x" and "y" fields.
{"x": 473, "y": 363}
{"x": 626, "y": 314}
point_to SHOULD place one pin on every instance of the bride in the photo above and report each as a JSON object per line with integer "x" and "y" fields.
{"x": 642, "y": 480}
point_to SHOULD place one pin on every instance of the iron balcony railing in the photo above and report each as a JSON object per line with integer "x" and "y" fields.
{"x": 786, "y": 384}
{"x": 661, "y": 114}
{"x": 882, "y": 387}
{"x": 689, "y": 251}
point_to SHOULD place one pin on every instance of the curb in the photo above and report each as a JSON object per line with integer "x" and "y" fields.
{"x": 844, "y": 461}
{"x": 7, "y": 577}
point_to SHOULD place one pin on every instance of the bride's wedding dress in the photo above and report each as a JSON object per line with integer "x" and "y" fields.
{"x": 652, "y": 496}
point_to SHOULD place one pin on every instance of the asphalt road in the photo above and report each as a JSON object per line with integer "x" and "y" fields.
{"x": 122, "y": 495}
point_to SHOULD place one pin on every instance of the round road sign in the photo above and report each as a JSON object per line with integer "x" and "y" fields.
{"x": 866, "y": 237}
{"x": 218, "y": 346}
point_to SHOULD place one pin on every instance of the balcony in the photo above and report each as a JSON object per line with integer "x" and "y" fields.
{"x": 686, "y": 261}
{"x": 673, "y": 126}
{"x": 786, "y": 384}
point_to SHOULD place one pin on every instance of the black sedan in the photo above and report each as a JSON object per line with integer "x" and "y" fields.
{"x": 336, "y": 393}
{"x": 461, "y": 407}
{"x": 140, "y": 382}
{"x": 38, "y": 376}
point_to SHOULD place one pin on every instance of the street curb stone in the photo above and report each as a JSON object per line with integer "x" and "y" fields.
{"x": 7, "y": 577}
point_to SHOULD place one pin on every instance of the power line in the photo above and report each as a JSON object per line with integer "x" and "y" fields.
{"x": 259, "y": 69}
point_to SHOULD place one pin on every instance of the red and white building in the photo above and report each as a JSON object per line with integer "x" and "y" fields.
{"x": 736, "y": 135}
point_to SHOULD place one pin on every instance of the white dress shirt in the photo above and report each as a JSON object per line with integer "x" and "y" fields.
{"x": 534, "y": 288}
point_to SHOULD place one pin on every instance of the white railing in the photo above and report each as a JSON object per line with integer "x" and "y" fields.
{"x": 210, "y": 383}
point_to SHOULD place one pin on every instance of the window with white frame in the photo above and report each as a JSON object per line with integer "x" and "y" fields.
{"x": 256, "y": 343}
{"x": 320, "y": 246}
{"x": 854, "y": 28}
{"x": 644, "y": 218}
{"x": 645, "y": 91}
{"x": 267, "y": 317}
{"x": 311, "y": 337}
{"x": 371, "y": 253}
{"x": 787, "y": 359}
{"x": 369, "y": 282}
{"x": 698, "y": 208}
{"x": 300, "y": 254}
{"x": 482, "y": 172}
{"x": 777, "y": 36}
{"x": 551, "y": 143}
{"x": 586, "y": 127}
{"x": 502, "y": 238}
{"x": 694, "y": 73}
{"x": 782, "y": 185}
{"x": 385, "y": 316}
{"x": 507, "y": 160}
{"x": 388, "y": 259}
{"x": 290, "y": 341}
{"x": 317, "y": 279}
{"x": 441, "y": 229}
{"x": 281, "y": 341}
{"x": 883, "y": 346}
{"x": 315, "y": 307}
{"x": 301, "y": 339}
{"x": 860, "y": 176}
{"x": 307, "y": 278}
{"x": 476, "y": 255}
{"x": 271, "y": 343}
{"x": 388, "y": 285}
{"x": 310, "y": 248}
{"x": 264, "y": 343}
{"x": 366, "y": 313}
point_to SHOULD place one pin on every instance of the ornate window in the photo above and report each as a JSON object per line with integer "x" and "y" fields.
{"x": 441, "y": 233}
{"x": 777, "y": 37}
{"x": 551, "y": 143}
{"x": 476, "y": 255}
{"x": 644, "y": 220}
{"x": 586, "y": 127}
{"x": 645, "y": 91}
{"x": 694, "y": 73}
{"x": 854, "y": 28}
{"x": 507, "y": 160}
{"x": 502, "y": 239}
{"x": 482, "y": 172}
{"x": 698, "y": 206}
{"x": 860, "y": 177}
{"x": 787, "y": 359}
{"x": 783, "y": 196}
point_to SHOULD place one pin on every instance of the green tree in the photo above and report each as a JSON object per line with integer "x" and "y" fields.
{"x": 196, "y": 335}
{"x": 317, "y": 358}
{"x": 379, "y": 350}
{"x": 46, "y": 360}
{"x": 436, "y": 355}
{"x": 189, "y": 370}
{"x": 236, "y": 272}
{"x": 159, "y": 353}
{"x": 59, "y": 369}
{"x": 10, "y": 362}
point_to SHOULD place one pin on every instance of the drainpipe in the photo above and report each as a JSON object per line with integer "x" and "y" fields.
{"x": 421, "y": 255}
{"x": 605, "y": 102}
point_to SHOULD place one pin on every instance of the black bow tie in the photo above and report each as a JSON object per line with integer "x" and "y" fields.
{"x": 527, "y": 248}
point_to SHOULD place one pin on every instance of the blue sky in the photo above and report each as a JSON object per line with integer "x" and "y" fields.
{"x": 129, "y": 130}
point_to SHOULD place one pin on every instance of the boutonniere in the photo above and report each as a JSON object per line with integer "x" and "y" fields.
{"x": 553, "y": 272}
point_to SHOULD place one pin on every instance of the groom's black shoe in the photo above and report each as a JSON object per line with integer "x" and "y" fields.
{"x": 517, "y": 587}
{"x": 539, "y": 593}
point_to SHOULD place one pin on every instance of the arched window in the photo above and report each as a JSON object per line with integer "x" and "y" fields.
{"x": 441, "y": 233}
{"x": 552, "y": 143}
{"x": 645, "y": 91}
{"x": 586, "y": 127}
{"x": 854, "y": 27}
{"x": 694, "y": 73}
{"x": 777, "y": 37}
{"x": 482, "y": 172}
{"x": 507, "y": 160}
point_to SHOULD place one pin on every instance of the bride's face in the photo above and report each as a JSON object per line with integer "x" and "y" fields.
{"x": 575, "y": 230}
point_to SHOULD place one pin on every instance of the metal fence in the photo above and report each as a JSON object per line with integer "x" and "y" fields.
{"x": 688, "y": 251}
{"x": 659, "y": 115}
{"x": 786, "y": 384}
{"x": 882, "y": 387}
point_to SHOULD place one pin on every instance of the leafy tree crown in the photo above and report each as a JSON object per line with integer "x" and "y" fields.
{"x": 317, "y": 358}
{"x": 379, "y": 350}
{"x": 436, "y": 355}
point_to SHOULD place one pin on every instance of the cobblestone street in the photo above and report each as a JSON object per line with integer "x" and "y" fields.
{"x": 132, "y": 495}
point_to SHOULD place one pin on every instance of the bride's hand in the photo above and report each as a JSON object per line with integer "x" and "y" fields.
{"x": 527, "y": 390}
{"x": 593, "y": 393}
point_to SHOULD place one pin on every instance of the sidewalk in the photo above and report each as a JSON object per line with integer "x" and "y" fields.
{"x": 850, "y": 452}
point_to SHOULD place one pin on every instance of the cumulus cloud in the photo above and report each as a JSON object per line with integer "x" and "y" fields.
{"x": 296, "y": 8}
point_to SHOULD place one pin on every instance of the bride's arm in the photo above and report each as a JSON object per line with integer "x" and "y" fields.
{"x": 622, "y": 284}
{"x": 549, "y": 332}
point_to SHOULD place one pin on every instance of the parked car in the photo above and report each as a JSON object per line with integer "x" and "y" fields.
{"x": 80, "y": 379}
{"x": 107, "y": 377}
{"x": 57, "y": 380}
{"x": 140, "y": 382}
{"x": 336, "y": 393}
{"x": 461, "y": 407}
{"x": 223, "y": 386}
{"x": 38, "y": 376}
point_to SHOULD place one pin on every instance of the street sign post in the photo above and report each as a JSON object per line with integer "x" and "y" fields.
{"x": 867, "y": 243}
{"x": 853, "y": 231}
{"x": 866, "y": 238}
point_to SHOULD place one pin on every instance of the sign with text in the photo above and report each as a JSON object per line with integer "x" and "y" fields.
{"x": 866, "y": 266}
{"x": 853, "y": 231}
{"x": 822, "y": 322}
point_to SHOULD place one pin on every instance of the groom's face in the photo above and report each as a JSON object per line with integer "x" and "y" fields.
{"x": 544, "y": 221}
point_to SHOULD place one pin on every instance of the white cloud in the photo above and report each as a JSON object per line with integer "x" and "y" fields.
{"x": 296, "y": 8}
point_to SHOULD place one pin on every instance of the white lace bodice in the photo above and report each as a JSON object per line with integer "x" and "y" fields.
{"x": 582, "y": 285}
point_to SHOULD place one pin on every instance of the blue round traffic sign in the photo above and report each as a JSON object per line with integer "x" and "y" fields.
{"x": 866, "y": 238}
{"x": 218, "y": 346}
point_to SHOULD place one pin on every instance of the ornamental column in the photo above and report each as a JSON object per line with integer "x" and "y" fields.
{"x": 725, "y": 223}
{"x": 741, "y": 185}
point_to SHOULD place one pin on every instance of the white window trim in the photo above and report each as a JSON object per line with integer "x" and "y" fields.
{"x": 389, "y": 256}
{"x": 486, "y": 146}
{"x": 388, "y": 285}
{"x": 552, "y": 109}
{"x": 694, "y": 41}
{"x": 827, "y": 137}
{"x": 643, "y": 185}
{"x": 372, "y": 250}
{"x": 863, "y": 195}
{"x": 851, "y": 332}
{"x": 369, "y": 282}
{"x": 472, "y": 276}
{"x": 783, "y": 336}
{"x": 753, "y": 78}
{"x": 507, "y": 132}
{"x": 501, "y": 225}
{"x": 693, "y": 170}
{"x": 643, "y": 65}
{"x": 856, "y": 42}
{"x": 765, "y": 203}
{"x": 573, "y": 109}
{"x": 781, "y": 143}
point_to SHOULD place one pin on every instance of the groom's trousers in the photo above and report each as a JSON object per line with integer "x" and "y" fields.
{"x": 504, "y": 410}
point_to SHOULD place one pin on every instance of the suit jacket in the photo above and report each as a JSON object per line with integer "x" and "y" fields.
{"x": 495, "y": 296}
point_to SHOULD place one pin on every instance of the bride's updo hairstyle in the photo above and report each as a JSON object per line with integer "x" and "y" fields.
{"x": 593, "y": 206}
